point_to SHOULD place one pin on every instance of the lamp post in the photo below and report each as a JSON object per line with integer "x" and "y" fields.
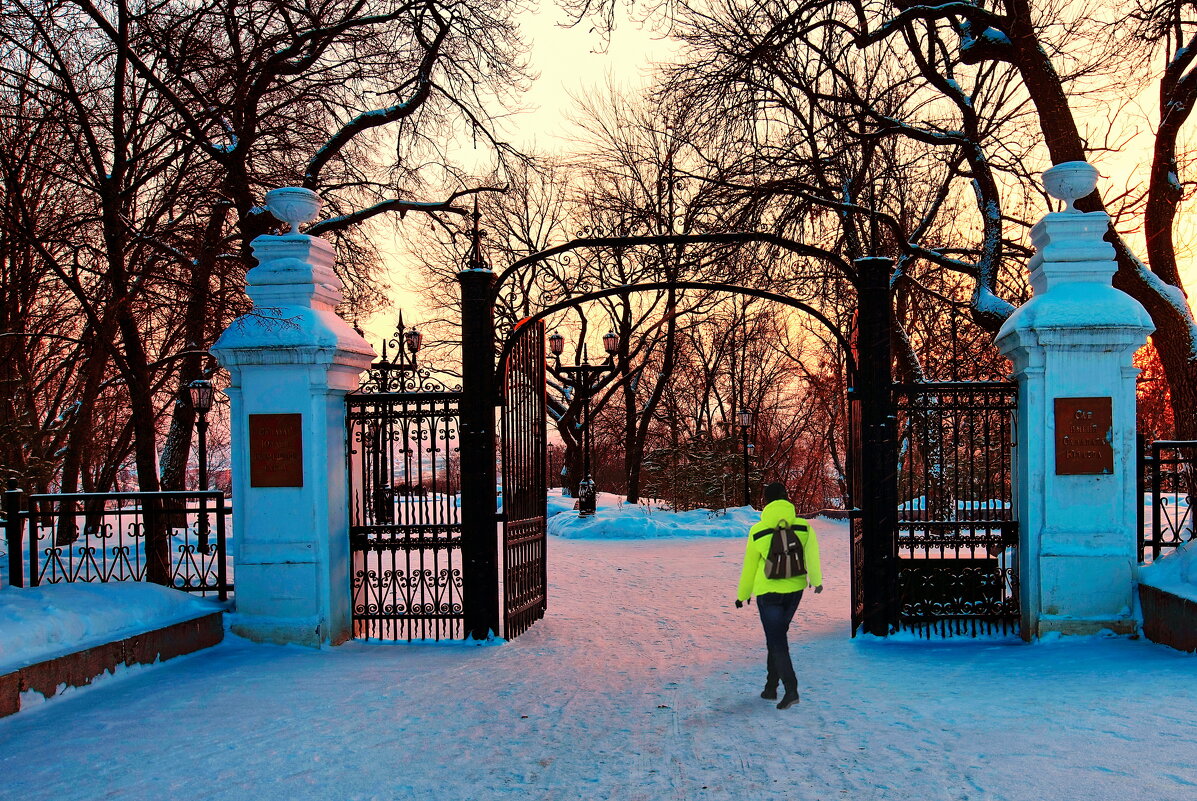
{"x": 586, "y": 374}
{"x": 745, "y": 421}
{"x": 201, "y": 393}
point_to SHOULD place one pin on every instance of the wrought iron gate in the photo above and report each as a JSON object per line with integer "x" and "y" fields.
{"x": 956, "y": 533}
{"x": 524, "y": 483}
{"x": 405, "y": 523}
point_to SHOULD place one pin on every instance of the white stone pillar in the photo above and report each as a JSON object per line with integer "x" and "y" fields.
{"x": 1072, "y": 346}
{"x": 291, "y": 360}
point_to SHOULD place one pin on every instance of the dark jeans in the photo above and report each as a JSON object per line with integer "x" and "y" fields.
{"x": 777, "y": 611}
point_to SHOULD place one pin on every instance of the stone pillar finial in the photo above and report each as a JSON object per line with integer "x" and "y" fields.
{"x": 1070, "y": 245}
{"x": 293, "y": 205}
{"x": 1070, "y": 181}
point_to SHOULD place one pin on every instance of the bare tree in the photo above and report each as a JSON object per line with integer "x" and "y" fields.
{"x": 161, "y": 125}
{"x": 849, "y": 105}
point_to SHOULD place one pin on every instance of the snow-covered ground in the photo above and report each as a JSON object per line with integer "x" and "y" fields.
{"x": 640, "y": 683}
{"x": 615, "y": 520}
{"x": 1174, "y": 572}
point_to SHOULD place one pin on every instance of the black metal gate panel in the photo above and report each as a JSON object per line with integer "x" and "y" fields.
{"x": 856, "y": 522}
{"x": 956, "y": 533}
{"x": 405, "y": 523}
{"x": 524, "y": 483}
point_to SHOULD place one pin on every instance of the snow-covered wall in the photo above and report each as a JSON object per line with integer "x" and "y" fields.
{"x": 1174, "y": 573}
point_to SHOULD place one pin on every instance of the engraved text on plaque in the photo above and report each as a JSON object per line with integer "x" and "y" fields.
{"x": 1083, "y": 436}
{"x": 276, "y": 450}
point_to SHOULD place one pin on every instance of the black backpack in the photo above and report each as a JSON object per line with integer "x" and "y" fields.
{"x": 786, "y": 558}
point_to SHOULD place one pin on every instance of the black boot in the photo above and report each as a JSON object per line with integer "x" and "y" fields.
{"x": 769, "y": 693}
{"x": 789, "y": 699}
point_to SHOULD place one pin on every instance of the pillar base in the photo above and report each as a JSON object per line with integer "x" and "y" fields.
{"x": 1078, "y": 626}
{"x": 283, "y": 631}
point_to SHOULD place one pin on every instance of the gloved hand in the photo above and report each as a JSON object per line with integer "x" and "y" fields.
{"x": 739, "y": 604}
{"x": 818, "y": 588}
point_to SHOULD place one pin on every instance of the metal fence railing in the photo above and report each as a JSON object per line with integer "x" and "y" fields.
{"x": 178, "y": 539}
{"x": 1167, "y": 484}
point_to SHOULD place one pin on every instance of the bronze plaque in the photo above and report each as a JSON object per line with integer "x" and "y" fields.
{"x": 1083, "y": 445}
{"x": 276, "y": 450}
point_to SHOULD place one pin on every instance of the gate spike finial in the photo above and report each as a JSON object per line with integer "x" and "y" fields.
{"x": 476, "y": 260}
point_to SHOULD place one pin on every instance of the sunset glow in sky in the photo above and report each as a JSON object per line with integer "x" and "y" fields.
{"x": 574, "y": 62}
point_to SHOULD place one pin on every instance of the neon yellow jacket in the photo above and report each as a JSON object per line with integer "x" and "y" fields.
{"x": 752, "y": 577}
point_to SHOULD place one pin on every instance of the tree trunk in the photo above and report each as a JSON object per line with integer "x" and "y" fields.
{"x": 1159, "y": 290}
{"x": 633, "y": 448}
{"x": 177, "y": 448}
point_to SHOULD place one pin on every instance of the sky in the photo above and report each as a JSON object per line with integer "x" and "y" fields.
{"x": 567, "y": 61}
{"x": 573, "y": 60}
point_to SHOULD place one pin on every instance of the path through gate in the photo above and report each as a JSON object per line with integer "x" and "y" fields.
{"x": 524, "y": 483}
{"x": 943, "y": 561}
{"x": 405, "y": 520}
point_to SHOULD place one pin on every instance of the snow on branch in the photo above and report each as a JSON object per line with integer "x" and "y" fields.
{"x": 351, "y": 219}
{"x": 382, "y": 116}
{"x": 969, "y": 11}
{"x": 1171, "y": 295}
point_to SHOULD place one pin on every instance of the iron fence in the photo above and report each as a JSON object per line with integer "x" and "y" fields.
{"x": 100, "y": 537}
{"x": 956, "y": 534}
{"x": 1167, "y": 483}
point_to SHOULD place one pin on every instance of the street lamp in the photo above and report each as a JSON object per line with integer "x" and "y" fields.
{"x": 611, "y": 343}
{"x": 586, "y": 374}
{"x": 745, "y": 422}
{"x": 201, "y": 393}
{"x": 413, "y": 339}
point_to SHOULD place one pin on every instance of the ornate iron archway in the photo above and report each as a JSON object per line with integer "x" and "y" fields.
{"x": 874, "y": 584}
{"x": 881, "y": 598}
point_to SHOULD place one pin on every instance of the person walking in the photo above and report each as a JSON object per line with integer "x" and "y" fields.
{"x": 777, "y": 599}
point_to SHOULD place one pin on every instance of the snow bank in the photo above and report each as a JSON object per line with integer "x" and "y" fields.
{"x": 40, "y": 623}
{"x": 560, "y": 503}
{"x": 1174, "y": 573}
{"x": 616, "y": 520}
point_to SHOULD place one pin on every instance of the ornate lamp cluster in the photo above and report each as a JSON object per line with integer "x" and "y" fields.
{"x": 586, "y": 375}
